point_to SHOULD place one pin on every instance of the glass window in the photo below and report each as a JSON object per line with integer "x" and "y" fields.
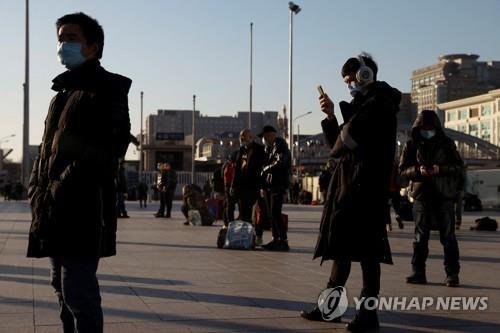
{"x": 486, "y": 109}
{"x": 473, "y": 130}
{"x": 452, "y": 115}
{"x": 463, "y": 114}
{"x": 462, "y": 128}
{"x": 485, "y": 130}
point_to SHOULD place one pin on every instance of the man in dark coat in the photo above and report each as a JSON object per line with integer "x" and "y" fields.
{"x": 167, "y": 185}
{"x": 353, "y": 222}
{"x": 246, "y": 181}
{"x": 72, "y": 186}
{"x": 430, "y": 161}
{"x": 276, "y": 174}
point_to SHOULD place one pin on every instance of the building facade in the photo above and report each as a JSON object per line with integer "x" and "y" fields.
{"x": 168, "y": 136}
{"x": 455, "y": 76}
{"x": 478, "y": 116}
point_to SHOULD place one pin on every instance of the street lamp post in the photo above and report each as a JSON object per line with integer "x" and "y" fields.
{"x": 294, "y": 9}
{"x": 193, "y": 143}
{"x": 26, "y": 115}
{"x": 297, "y": 165}
{"x": 251, "y": 77}
{"x": 141, "y": 140}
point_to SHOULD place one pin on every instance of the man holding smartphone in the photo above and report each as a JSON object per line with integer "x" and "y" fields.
{"x": 430, "y": 161}
{"x": 353, "y": 222}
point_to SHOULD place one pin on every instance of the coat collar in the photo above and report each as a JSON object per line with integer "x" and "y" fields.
{"x": 83, "y": 77}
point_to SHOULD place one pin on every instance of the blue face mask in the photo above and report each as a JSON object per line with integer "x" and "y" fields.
{"x": 427, "y": 134}
{"x": 354, "y": 88}
{"x": 70, "y": 54}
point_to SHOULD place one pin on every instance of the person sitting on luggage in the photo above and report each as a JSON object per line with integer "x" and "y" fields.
{"x": 431, "y": 162}
{"x": 193, "y": 199}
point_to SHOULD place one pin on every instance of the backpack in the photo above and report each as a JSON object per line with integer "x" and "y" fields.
{"x": 240, "y": 235}
{"x": 485, "y": 224}
{"x": 194, "y": 217}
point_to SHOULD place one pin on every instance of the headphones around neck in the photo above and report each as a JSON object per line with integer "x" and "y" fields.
{"x": 364, "y": 75}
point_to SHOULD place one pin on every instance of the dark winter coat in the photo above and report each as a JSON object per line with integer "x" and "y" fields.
{"x": 353, "y": 222}
{"x": 439, "y": 150}
{"x": 249, "y": 164}
{"x": 168, "y": 181}
{"x": 121, "y": 180}
{"x": 72, "y": 186}
{"x": 277, "y": 169}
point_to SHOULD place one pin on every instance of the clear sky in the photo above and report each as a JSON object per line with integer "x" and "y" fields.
{"x": 172, "y": 49}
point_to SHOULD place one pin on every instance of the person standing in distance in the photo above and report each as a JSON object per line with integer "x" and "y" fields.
{"x": 276, "y": 174}
{"x": 86, "y": 133}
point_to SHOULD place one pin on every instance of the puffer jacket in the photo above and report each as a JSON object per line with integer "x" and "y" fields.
{"x": 439, "y": 150}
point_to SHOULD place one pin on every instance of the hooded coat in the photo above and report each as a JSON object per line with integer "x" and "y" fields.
{"x": 72, "y": 188}
{"x": 439, "y": 150}
{"x": 354, "y": 215}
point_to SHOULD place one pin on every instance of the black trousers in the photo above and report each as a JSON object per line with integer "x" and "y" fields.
{"x": 274, "y": 201}
{"x": 166, "y": 198}
{"x": 76, "y": 286}
{"x": 442, "y": 215}
{"x": 229, "y": 207}
{"x": 371, "y": 275}
{"x": 246, "y": 203}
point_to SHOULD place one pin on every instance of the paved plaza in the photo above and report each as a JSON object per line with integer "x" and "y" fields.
{"x": 168, "y": 277}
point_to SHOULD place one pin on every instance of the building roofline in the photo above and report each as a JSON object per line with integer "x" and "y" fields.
{"x": 470, "y": 100}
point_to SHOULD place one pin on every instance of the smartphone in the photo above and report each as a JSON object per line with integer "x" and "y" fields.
{"x": 320, "y": 90}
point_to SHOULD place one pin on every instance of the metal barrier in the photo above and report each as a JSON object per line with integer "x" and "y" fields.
{"x": 183, "y": 178}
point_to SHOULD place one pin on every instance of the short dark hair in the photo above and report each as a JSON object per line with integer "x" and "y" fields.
{"x": 352, "y": 65}
{"x": 91, "y": 29}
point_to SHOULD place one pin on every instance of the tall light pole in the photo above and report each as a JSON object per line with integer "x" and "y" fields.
{"x": 251, "y": 77}
{"x": 193, "y": 149}
{"x": 141, "y": 140}
{"x": 294, "y": 9}
{"x": 297, "y": 165}
{"x": 26, "y": 90}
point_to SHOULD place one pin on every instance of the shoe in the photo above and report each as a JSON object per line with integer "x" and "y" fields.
{"x": 452, "y": 281}
{"x": 123, "y": 216}
{"x": 186, "y": 223}
{"x": 315, "y": 315}
{"x": 168, "y": 216}
{"x": 365, "y": 320}
{"x": 272, "y": 245}
{"x": 417, "y": 278}
{"x": 400, "y": 222}
{"x": 159, "y": 215}
{"x": 258, "y": 241}
{"x": 284, "y": 246}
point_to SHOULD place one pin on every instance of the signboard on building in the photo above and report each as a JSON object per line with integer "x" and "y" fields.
{"x": 170, "y": 136}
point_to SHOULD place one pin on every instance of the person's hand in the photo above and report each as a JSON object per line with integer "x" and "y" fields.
{"x": 326, "y": 105}
{"x": 262, "y": 193}
{"x": 423, "y": 171}
{"x": 434, "y": 171}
